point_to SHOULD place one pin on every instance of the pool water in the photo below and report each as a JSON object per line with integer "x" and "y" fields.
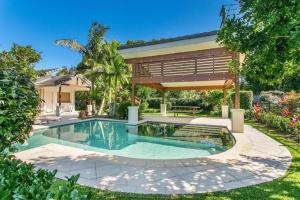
{"x": 150, "y": 140}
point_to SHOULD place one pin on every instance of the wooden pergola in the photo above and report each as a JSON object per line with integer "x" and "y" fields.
{"x": 194, "y": 62}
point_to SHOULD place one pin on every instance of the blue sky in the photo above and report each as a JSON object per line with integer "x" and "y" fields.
{"x": 40, "y": 22}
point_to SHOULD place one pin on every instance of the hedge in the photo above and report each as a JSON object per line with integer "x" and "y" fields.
{"x": 246, "y": 99}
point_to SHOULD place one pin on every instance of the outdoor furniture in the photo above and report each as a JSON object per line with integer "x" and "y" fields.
{"x": 184, "y": 109}
{"x": 41, "y": 120}
{"x": 53, "y": 118}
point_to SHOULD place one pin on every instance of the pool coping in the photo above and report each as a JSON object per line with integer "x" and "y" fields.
{"x": 247, "y": 163}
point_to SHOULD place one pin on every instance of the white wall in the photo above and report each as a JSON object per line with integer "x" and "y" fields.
{"x": 49, "y": 95}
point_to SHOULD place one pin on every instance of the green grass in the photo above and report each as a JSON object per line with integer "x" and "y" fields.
{"x": 286, "y": 188}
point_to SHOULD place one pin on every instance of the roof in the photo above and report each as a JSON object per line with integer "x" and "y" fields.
{"x": 167, "y": 40}
{"x": 57, "y": 80}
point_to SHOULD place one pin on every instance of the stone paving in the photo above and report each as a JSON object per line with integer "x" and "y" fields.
{"x": 254, "y": 159}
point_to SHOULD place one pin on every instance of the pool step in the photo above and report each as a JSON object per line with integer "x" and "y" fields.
{"x": 197, "y": 131}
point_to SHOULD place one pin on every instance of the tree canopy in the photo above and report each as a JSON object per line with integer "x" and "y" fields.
{"x": 21, "y": 59}
{"x": 18, "y": 107}
{"x": 268, "y": 34}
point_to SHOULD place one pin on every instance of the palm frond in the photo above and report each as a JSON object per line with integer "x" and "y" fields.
{"x": 71, "y": 44}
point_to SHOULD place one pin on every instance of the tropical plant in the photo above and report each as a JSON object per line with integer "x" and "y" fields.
{"x": 21, "y": 181}
{"x": 92, "y": 53}
{"x": 21, "y": 59}
{"x": 117, "y": 69}
{"x": 268, "y": 34}
{"x": 19, "y": 103}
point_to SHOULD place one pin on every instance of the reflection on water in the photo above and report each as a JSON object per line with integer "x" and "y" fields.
{"x": 116, "y": 136}
{"x": 96, "y": 133}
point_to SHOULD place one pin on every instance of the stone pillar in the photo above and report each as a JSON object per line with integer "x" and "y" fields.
{"x": 163, "y": 109}
{"x": 237, "y": 120}
{"x": 89, "y": 109}
{"x": 133, "y": 115}
{"x": 224, "y": 111}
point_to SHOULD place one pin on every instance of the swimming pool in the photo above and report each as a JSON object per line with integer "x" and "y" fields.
{"x": 149, "y": 140}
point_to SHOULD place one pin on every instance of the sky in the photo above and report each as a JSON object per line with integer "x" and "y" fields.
{"x": 40, "y": 22}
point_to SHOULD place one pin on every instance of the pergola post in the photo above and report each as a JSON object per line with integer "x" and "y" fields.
{"x": 58, "y": 108}
{"x": 237, "y": 114}
{"x": 163, "y": 105}
{"x": 237, "y": 92}
{"x": 225, "y": 104}
{"x": 133, "y": 111}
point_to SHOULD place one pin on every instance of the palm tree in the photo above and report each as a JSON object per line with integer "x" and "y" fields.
{"x": 118, "y": 70}
{"x": 92, "y": 53}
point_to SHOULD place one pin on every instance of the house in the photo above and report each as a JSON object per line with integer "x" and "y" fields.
{"x": 60, "y": 90}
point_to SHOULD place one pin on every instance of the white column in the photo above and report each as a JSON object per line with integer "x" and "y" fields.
{"x": 163, "y": 109}
{"x": 237, "y": 120}
{"x": 89, "y": 109}
{"x": 224, "y": 111}
{"x": 133, "y": 115}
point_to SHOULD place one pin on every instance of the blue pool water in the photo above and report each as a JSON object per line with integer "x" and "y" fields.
{"x": 151, "y": 140}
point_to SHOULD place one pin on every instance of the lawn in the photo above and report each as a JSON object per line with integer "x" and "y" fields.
{"x": 287, "y": 187}
{"x": 182, "y": 114}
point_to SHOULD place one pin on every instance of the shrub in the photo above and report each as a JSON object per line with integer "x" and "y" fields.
{"x": 20, "y": 181}
{"x": 250, "y": 114}
{"x": 214, "y": 100}
{"x": 278, "y": 122}
{"x": 246, "y": 99}
{"x": 18, "y": 107}
{"x": 143, "y": 107}
{"x": 123, "y": 109}
{"x": 154, "y": 103}
{"x": 81, "y": 100}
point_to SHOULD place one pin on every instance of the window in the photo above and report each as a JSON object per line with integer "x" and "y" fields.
{"x": 65, "y": 97}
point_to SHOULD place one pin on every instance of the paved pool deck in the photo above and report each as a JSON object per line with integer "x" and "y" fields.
{"x": 254, "y": 159}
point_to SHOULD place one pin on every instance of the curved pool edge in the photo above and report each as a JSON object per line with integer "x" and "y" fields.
{"x": 133, "y": 159}
{"x": 247, "y": 163}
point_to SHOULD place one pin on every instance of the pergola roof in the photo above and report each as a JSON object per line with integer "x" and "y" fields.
{"x": 182, "y": 44}
{"x": 168, "y": 40}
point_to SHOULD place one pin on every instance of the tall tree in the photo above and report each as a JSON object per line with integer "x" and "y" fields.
{"x": 117, "y": 70}
{"x": 92, "y": 52}
{"x": 21, "y": 59}
{"x": 268, "y": 34}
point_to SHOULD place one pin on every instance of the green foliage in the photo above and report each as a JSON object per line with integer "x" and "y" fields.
{"x": 246, "y": 99}
{"x": 69, "y": 191}
{"x": 214, "y": 99}
{"x": 101, "y": 64}
{"x": 144, "y": 93}
{"x": 208, "y": 102}
{"x": 81, "y": 100}
{"x": 21, "y": 59}
{"x": 122, "y": 110}
{"x": 132, "y": 42}
{"x": 143, "y": 106}
{"x": 20, "y": 181}
{"x": 268, "y": 34}
{"x": 116, "y": 68}
{"x": 278, "y": 122}
{"x": 18, "y": 107}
